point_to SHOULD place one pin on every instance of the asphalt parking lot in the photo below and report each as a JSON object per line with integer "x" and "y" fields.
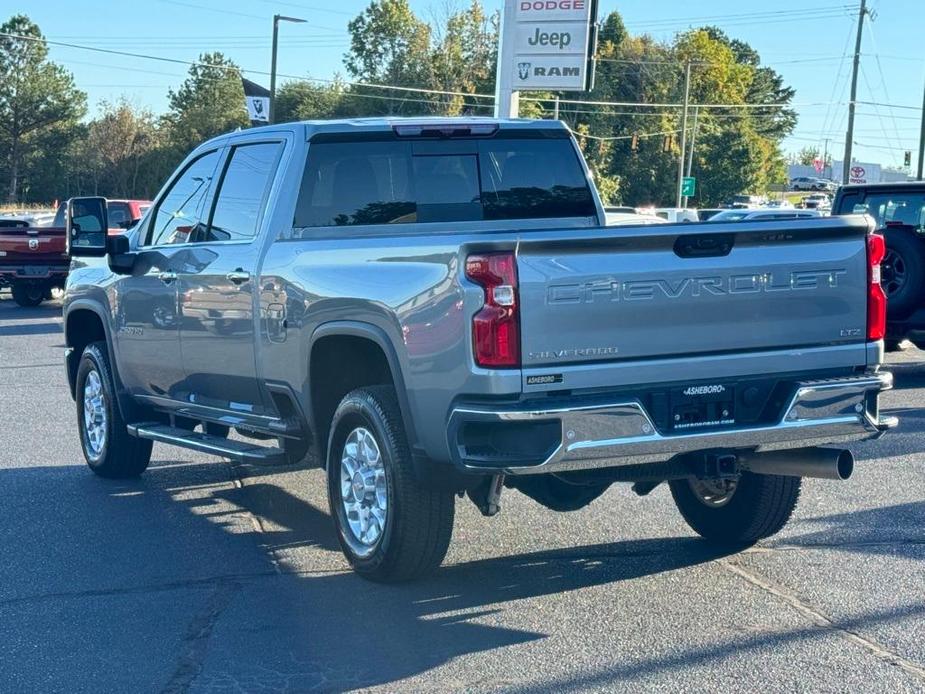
{"x": 205, "y": 577}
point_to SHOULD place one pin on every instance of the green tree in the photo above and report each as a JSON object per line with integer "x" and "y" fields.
{"x": 463, "y": 59}
{"x": 389, "y": 45}
{"x": 118, "y": 142}
{"x": 309, "y": 101}
{"x": 39, "y": 107}
{"x": 807, "y": 156}
{"x": 766, "y": 87}
{"x": 208, "y": 103}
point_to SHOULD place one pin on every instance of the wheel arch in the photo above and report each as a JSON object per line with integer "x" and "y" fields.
{"x": 339, "y": 341}
{"x": 86, "y": 321}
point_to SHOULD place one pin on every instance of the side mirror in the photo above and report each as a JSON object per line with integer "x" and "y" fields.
{"x": 87, "y": 226}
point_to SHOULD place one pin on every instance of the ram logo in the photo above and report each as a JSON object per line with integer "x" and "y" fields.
{"x": 33, "y": 244}
{"x": 523, "y": 70}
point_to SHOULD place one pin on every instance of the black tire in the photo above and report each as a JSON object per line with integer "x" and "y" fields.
{"x": 117, "y": 455}
{"x": 903, "y": 272}
{"x": 28, "y": 295}
{"x": 419, "y": 520}
{"x": 759, "y": 507}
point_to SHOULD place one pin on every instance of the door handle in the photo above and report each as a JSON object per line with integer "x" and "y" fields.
{"x": 238, "y": 276}
{"x": 167, "y": 277}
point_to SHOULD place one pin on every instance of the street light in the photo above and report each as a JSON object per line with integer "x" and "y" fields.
{"x": 277, "y": 18}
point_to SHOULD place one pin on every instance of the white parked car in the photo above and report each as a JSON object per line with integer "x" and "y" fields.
{"x": 779, "y": 205}
{"x": 763, "y": 215}
{"x": 619, "y": 219}
{"x": 671, "y": 214}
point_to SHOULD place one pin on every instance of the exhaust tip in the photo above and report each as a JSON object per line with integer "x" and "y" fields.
{"x": 844, "y": 464}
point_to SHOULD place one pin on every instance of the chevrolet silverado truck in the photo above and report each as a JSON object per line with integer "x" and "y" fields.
{"x": 432, "y": 308}
{"x": 898, "y": 210}
{"x": 34, "y": 259}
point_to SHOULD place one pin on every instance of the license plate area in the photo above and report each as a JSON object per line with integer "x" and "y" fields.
{"x": 702, "y": 407}
{"x": 34, "y": 271}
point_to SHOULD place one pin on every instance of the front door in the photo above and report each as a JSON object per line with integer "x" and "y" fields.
{"x": 146, "y": 303}
{"x": 217, "y": 286}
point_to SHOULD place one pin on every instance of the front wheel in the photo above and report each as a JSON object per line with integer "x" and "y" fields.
{"x": 108, "y": 448}
{"x": 28, "y": 295}
{"x": 737, "y": 511}
{"x": 390, "y": 527}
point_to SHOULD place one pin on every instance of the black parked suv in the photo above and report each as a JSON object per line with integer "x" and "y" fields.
{"x": 899, "y": 209}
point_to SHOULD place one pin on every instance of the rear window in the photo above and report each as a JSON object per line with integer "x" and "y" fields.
{"x": 890, "y": 209}
{"x": 401, "y": 182}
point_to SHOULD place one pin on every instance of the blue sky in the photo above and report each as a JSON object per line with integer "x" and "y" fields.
{"x": 806, "y": 42}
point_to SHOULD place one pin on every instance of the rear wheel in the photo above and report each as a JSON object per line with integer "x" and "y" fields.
{"x": 107, "y": 446}
{"x": 390, "y": 527}
{"x": 737, "y": 511}
{"x": 28, "y": 295}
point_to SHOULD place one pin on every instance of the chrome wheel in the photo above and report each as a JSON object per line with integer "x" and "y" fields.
{"x": 95, "y": 419}
{"x": 892, "y": 272}
{"x": 363, "y": 488}
{"x": 713, "y": 493}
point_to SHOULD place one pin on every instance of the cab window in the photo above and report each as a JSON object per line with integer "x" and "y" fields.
{"x": 242, "y": 192}
{"x": 178, "y": 216}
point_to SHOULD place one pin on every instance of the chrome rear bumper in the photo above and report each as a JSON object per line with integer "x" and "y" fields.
{"x": 611, "y": 434}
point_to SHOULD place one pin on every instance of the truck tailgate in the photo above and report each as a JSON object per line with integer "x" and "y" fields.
{"x": 672, "y": 291}
{"x": 20, "y": 246}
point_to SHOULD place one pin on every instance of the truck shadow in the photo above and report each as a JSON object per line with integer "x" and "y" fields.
{"x": 91, "y": 542}
{"x": 182, "y": 532}
{"x": 9, "y": 310}
{"x": 44, "y": 328}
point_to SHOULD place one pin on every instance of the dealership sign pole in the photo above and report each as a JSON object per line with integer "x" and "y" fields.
{"x": 545, "y": 45}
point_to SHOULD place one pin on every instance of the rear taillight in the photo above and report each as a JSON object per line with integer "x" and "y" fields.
{"x": 496, "y": 327}
{"x": 876, "y": 298}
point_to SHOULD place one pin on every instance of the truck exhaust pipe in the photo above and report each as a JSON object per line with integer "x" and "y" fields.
{"x": 823, "y": 463}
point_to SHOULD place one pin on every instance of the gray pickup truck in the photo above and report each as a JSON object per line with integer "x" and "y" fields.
{"x": 433, "y": 308}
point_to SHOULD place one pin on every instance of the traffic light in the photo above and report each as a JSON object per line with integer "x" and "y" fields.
{"x": 634, "y": 142}
{"x": 668, "y": 143}
{"x": 907, "y": 159}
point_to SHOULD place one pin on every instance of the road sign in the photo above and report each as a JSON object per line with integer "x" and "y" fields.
{"x": 688, "y": 186}
{"x": 547, "y": 45}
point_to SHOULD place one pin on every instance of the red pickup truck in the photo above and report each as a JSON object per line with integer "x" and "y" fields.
{"x": 34, "y": 259}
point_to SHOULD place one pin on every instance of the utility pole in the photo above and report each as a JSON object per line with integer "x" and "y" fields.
{"x": 555, "y": 113}
{"x": 825, "y": 159}
{"x": 687, "y": 96}
{"x": 277, "y": 18}
{"x": 690, "y": 152}
{"x": 922, "y": 139}
{"x": 849, "y": 138}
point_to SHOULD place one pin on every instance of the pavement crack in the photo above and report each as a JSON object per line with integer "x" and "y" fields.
{"x": 825, "y": 622}
{"x": 196, "y": 640}
{"x": 784, "y": 547}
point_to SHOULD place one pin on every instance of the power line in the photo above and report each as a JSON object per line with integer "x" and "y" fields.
{"x": 599, "y": 138}
{"x": 676, "y": 105}
{"x": 767, "y": 14}
{"x": 176, "y": 61}
{"x": 884, "y": 105}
